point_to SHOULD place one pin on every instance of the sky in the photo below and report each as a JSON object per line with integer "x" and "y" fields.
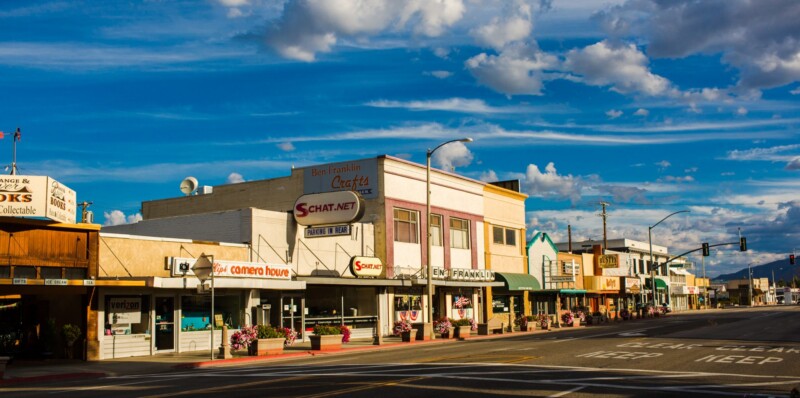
{"x": 650, "y": 106}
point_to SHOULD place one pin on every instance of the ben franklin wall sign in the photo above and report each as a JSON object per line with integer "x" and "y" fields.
{"x": 360, "y": 176}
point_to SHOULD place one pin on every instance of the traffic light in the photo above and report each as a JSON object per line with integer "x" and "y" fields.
{"x": 742, "y": 244}
{"x": 706, "y": 251}
{"x": 791, "y": 259}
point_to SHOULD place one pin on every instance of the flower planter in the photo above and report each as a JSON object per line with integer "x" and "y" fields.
{"x": 328, "y": 342}
{"x": 449, "y": 334}
{"x": 530, "y": 327}
{"x": 409, "y": 337}
{"x": 463, "y": 332}
{"x": 576, "y": 323}
{"x": 261, "y": 347}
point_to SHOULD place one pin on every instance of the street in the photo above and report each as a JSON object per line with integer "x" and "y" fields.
{"x": 731, "y": 352}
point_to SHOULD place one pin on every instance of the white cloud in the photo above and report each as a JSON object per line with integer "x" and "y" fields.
{"x": 641, "y": 112}
{"x": 795, "y": 91}
{"x": 440, "y": 74}
{"x": 308, "y": 27}
{"x": 234, "y": 178}
{"x": 450, "y": 156}
{"x": 450, "y": 104}
{"x": 772, "y": 154}
{"x": 663, "y": 164}
{"x": 741, "y": 111}
{"x": 489, "y": 176}
{"x": 759, "y": 39}
{"x": 623, "y": 67}
{"x": 515, "y": 24}
{"x": 679, "y": 179}
{"x": 518, "y": 70}
{"x": 117, "y": 217}
{"x": 441, "y": 52}
{"x": 286, "y": 146}
{"x": 794, "y": 164}
{"x": 552, "y": 185}
{"x": 613, "y": 113}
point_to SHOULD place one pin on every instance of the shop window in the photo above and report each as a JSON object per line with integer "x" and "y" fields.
{"x": 5, "y": 272}
{"x": 405, "y": 226}
{"x": 436, "y": 229}
{"x": 127, "y": 315}
{"x": 459, "y": 233}
{"x": 500, "y": 304}
{"x": 195, "y": 311}
{"x": 408, "y": 305}
{"x": 75, "y": 273}
{"x": 462, "y": 306}
{"x": 25, "y": 272}
{"x": 50, "y": 272}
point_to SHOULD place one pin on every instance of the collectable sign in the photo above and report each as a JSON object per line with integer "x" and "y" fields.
{"x": 37, "y": 196}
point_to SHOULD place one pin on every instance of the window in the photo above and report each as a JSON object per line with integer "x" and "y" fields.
{"x": 405, "y": 226}
{"x": 50, "y": 272}
{"x": 459, "y": 233}
{"x": 436, "y": 229}
{"x": 504, "y": 236}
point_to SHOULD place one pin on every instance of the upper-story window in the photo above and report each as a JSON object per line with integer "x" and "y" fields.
{"x": 436, "y": 229}
{"x": 406, "y": 226}
{"x": 504, "y": 236}
{"x": 459, "y": 233}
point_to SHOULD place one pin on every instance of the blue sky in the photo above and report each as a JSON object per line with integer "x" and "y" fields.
{"x": 653, "y": 107}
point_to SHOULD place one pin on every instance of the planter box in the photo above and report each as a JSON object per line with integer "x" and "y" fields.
{"x": 424, "y": 334}
{"x": 263, "y": 347}
{"x": 449, "y": 334}
{"x": 330, "y": 342}
{"x": 409, "y": 337}
{"x": 576, "y": 323}
{"x": 463, "y": 332}
{"x": 530, "y": 327}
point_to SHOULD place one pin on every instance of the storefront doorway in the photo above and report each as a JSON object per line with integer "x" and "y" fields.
{"x": 292, "y": 310}
{"x": 165, "y": 324}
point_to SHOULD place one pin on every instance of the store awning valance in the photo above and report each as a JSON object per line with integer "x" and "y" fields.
{"x": 659, "y": 284}
{"x": 572, "y": 291}
{"x": 518, "y": 281}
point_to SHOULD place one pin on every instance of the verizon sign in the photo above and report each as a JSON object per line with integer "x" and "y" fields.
{"x": 234, "y": 269}
{"x": 366, "y": 266}
{"x": 36, "y": 196}
{"x": 341, "y": 207}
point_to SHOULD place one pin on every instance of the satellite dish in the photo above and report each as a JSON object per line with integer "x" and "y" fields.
{"x": 189, "y": 185}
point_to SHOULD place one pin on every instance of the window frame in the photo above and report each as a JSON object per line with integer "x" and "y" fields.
{"x": 436, "y": 230}
{"x": 458, "y": 231}
{"x": 411, "y": 225}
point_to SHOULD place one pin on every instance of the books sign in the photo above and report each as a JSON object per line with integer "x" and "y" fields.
{"x": 36, "y": 196}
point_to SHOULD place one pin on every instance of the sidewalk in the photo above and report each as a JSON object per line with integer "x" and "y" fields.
{"x": 34, "y": 371}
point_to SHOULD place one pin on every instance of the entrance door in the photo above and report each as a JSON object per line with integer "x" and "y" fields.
{"x": 165, "y": 324}
{"x": 292, "y": 314}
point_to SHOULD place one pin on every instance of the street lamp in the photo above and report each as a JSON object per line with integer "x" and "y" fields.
{"x": 429, "y": 267}
{"x": 750, "y": 282}
{"x": 652, "y": 261}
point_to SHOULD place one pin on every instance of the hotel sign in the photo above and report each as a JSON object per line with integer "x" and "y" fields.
{"x": 366, "y": 266}
{"x": 182, "y": 266}
{"x": 36, "y": 196}
{"x": 341, "y": 207}
{"x": 608, "y": 261}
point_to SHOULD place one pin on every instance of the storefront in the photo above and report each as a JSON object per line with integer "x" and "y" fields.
{"x": 514, "y": 297}
{"x": 662, "y": 290}
{"x": 603, "y": 295}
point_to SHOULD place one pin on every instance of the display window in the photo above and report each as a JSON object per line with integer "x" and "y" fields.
{"x": 195, "y": 312}
{"x": 127, "y": 315}
{"x": 408, "y": 305}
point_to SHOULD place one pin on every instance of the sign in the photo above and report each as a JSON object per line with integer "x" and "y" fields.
{"x": 366, "y": 266}
{"x": 561, "y": 278}
{"x": 36, "y": 196}
{"x": 123, "y": 310}
{"x": 608, "y": 261}
{"x": 690, "y": 290}
{"x": 603, "y": 282}
{"x": 333, "y": 230}
{"x": 88, "y": 282}
{"x": 55, "y": 282}
{"x": 633, "y": 285}
{"x": 20, "y": 281}
{"x": 236, "y": 269}
{"x": 218, "y": 320}
{"x": 341, "y": 207}
{"x": 463, "y": 274}
{"x": 360, "y": 176}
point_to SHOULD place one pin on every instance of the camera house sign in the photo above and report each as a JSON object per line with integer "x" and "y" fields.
{"x": 234, "y": 269}
{"x": 341, "y": 207}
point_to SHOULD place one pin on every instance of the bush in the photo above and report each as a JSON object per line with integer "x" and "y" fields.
{"x": 401, "y": 327}
{"x": 328, "y": 330}
{"x": 442, "y": 325}
{"x": 461, "y": 322}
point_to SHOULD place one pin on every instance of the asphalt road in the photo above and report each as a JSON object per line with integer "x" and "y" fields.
{"x": 733, "y": 352}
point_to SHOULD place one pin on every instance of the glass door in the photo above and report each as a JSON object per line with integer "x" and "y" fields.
{"x": 165, "y": 324}
{"x": 292, "y": 314}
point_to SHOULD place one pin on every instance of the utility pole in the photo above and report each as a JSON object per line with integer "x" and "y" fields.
{"x": 604, "y": 215}
{"x": 17, "y": 137}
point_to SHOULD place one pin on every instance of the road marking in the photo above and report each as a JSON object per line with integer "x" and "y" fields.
{"x": 563, "y": 393}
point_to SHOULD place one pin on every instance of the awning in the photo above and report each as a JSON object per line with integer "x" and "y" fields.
{"x": 661, "y": 285}
{"x": 518, "y": 281}
{"x": 572, "y": 291}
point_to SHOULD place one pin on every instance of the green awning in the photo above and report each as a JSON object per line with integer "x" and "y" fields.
{"x": 661, "y": 285}
{"x": 518, "y": 281}
{"x": 572, "y": 291}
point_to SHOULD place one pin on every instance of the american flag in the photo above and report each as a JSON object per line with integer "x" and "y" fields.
{"x": 460, "y": 302}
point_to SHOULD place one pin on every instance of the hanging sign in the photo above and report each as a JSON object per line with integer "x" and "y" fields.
{"x": 366, "y": 266}
{"x": 38, "y": 197}
{"x": 341, "y": 207}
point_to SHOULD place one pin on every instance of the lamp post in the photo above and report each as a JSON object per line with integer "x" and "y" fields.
{"x": 652, "y": 261}
{"x": 750, "y": 283}
{"x": 429, "y": 267}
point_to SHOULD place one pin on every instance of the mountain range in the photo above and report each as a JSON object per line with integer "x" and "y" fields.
{"x": 781, "y": 268}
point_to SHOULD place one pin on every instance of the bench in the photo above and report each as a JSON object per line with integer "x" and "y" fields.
{"x": 493, "y": 326}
